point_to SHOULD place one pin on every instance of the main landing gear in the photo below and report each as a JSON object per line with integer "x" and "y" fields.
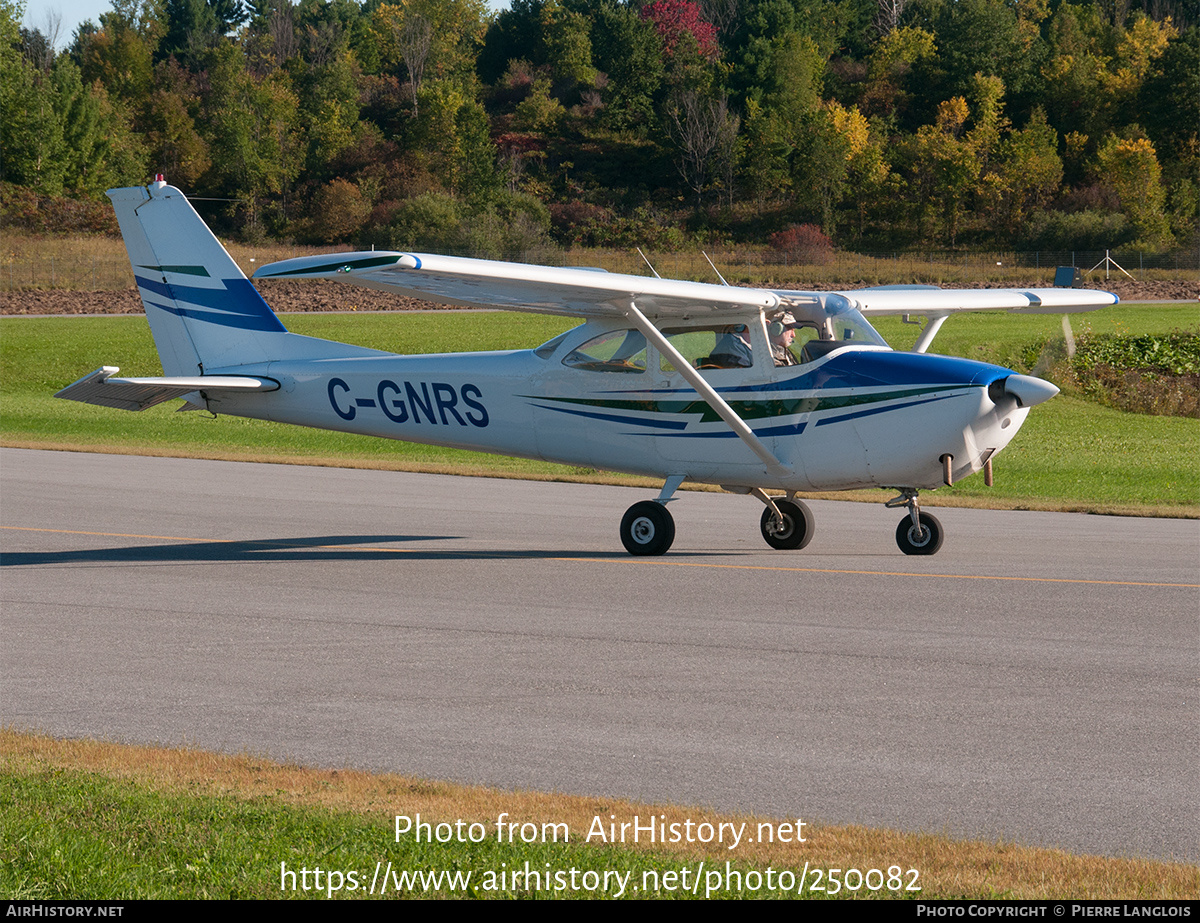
{"x": 917, "y": 533}
{"x": 786, "y": 525}
{"x": 648, "y": 529}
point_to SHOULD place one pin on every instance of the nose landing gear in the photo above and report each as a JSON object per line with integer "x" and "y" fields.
{"x": 917, "y": 533}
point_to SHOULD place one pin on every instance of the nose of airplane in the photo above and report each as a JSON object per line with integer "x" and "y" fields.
{"x": 1027, "y": 390}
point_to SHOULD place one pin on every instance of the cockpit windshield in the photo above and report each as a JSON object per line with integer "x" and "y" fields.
{"x": 806, "y": 327}
{"x": 830, "y": 318}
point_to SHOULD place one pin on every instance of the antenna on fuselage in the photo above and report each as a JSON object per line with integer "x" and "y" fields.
{"x": 648, "y": 263}
{"x": 714, "y": 269}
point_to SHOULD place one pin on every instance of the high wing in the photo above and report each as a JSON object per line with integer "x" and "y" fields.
{"x": 100, "y": 388}
{"x": 588, "y": 293}
{"x": 645, "y": 302}
{"x": 591, "y": 293}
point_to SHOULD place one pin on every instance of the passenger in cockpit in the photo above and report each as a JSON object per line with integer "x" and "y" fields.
{"x": 733, "y": 349}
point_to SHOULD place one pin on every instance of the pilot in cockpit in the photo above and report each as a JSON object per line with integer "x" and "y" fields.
{"x": 782, "y": 331}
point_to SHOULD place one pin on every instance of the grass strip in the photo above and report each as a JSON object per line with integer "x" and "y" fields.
{"x": 104, "y": 821}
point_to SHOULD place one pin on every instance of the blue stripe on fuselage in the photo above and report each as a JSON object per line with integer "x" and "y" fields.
{"x": 238, "y": 304}
{"x": 870, "y": 411}
{"x": 880, "y": 368}
{"x": 863, "y": 368}
{"x": 782, "y": 429}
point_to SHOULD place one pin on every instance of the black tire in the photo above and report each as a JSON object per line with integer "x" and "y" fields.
{"x": 928, "y": 541}
{"x": 647, "y": 528}
{"x": 797, "y": 530}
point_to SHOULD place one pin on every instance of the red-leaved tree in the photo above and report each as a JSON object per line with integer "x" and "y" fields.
{"x": 802, "y": 243}
{"x": 674, "y": 19}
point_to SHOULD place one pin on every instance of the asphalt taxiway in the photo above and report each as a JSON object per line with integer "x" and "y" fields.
{"x": 1035, "y": 681}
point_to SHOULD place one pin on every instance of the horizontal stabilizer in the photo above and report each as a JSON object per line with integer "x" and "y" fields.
{"x": 102, "y": 389}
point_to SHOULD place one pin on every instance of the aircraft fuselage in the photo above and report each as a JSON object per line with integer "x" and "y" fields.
{"x": 859, "y": 416}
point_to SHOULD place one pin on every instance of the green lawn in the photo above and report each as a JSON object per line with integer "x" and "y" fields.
{"x": 1071, "y": 453}
{"x": 67, "y": 835}
{"x": 83, "y": 819}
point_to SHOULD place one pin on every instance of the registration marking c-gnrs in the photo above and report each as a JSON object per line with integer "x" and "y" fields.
{"x": 395, "y": 402}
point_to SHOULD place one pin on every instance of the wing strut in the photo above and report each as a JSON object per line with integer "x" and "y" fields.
{"x": 774, "y": 466}
{"x": 933, "y": 323}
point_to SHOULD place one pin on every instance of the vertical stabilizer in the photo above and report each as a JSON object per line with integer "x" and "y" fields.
{"x": 203, "y": 311}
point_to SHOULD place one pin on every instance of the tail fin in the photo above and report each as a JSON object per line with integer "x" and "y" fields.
{"x": 203, "y": 311}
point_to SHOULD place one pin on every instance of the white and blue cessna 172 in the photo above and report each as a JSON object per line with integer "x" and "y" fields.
{"x": 750, "y": 389}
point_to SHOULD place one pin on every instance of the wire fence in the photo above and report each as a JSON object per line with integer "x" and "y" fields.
{"x": 758, "y": 266}
{"x": 99, "y": 272}
{"x": 110, "y": 271}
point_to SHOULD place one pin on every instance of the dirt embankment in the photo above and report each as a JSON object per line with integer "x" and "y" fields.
{"x": 1135, "y": 292}
{"x": 284, "y": 297}
{"x": 288, "y": 297}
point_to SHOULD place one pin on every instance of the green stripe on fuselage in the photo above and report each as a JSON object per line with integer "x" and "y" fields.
{"x": 748, "y": 410}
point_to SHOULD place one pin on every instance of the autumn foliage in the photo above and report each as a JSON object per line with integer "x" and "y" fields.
{"x": 971, "y": 125}
{"x": 803, "y": 243}
{"x": 674, "y": 19}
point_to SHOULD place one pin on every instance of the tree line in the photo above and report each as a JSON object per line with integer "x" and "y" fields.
{"x": 434, "y": 124}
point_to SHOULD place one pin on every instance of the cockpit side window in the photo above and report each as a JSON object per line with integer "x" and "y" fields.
{"x": 614, "y": 351}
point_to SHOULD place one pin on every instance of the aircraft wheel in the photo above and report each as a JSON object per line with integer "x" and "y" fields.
{"x": 927, "y": 541}
{"x": 796, "y": 531}
{"x": 647, "y": 529}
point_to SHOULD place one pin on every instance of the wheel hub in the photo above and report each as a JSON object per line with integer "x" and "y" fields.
{"x": 781, "y": 526}
{"x": 643, "y": 530}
